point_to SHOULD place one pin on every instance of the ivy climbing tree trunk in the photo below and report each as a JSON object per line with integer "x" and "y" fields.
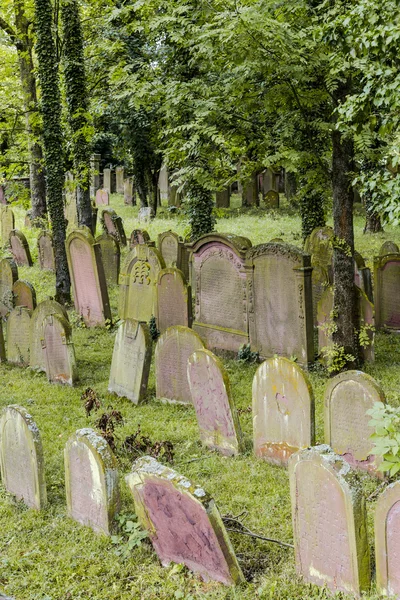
{"x": 200, "y": 210}
{"x": 53, "y": 140}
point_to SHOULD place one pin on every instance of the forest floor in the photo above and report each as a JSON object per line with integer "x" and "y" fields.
{"x": 47, "y": 556}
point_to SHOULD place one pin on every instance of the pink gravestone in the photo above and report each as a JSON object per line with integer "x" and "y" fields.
{"x": 24, "y": 294}
{"x": 58, "y": 350}
{"x": 20, "y": 249}
{"x": 44, "y": 309}
{"x": 138, "y": 236}
{"x": 387, "y": 291}
{"x": 102, "y": 198}
{"x": 46, "y": 251}
{"x": 174, "y": 300}
{"x": 387, "y": 541}
{"x": 113, "y": 225}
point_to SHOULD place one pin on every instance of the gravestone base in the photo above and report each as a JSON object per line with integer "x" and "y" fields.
{"x": 221, "y": 339}
{"x": 276, "y": 453}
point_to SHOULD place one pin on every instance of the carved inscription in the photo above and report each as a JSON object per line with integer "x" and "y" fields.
{"x": 169, "y": 250}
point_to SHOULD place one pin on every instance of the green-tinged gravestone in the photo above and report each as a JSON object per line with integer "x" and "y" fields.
{"x": 91, "y": 481}
{"x": 212, "y": 399}
{"x": 18, "y": 336}
{"x": 173, "y": 350}
{"x": 111, "y": 256}
{"x": 129, "y": 192}
{"x": 183, "y": 522}
{"x": 347, "y": 398}
{"x": 58, "y": 350}
{"x": 388, "y": 248}
{"x": 21, "y": 457}
{"x": 139, "y": 236}
{"x": 362, "y": 276}
{"x": 46, "y": 251}
{"x": 119, "y": 179}
{"x": 112, "y": 224}
{"x": 8, "y": 276}
{"x": 107, "y": 177}
{"x": 174, "y": 300}
{"x": 42, "y": 311}
{"x": 319, "y": 245}
{"x": 223, "y": 198}
{"x": 329, "y": 521}
{"x": 7, "y": 224}
{"x": 387, "y": 291}
{"x": 173, "y": 251}
{"x": 20, "y": 249}
{"x": 271, "y": 199}
{"x": 131, "y": 361}
{"x": 24, "y": 294}
{"x": 283, "y": 411}
{"x": 387, "y": 541}
{"x": 70, "y": 208}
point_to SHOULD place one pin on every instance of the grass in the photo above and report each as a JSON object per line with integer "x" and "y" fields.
{"x": 46, "y": 556}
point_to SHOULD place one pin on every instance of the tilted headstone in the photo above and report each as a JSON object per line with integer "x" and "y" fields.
{"x": 102, "y": 198}
{"x": 42, "y": 311}
{"x": 145, "y": 214}
{"x": 387, "y": 291}
{"x": 223, "y": 198}
{"x": 271, "y": 199}
{"x": 107, "y": 180}
{"x": 173, "y": 350}
{"x": 120, "y": 175}
{"x": 174, "y": 300}
{"x": 91, "y": 481}
{"x": 129, "y": 192}
{"x": 283, "y": 411}
{"x": 111, "y": 256}
{"x": 58, "y": 350}
{"x": 8, "y": 276}
{"x": 20, "y": 249}
{"x": 212, "y": 399}
{"x": 329, "y": 521}
{"x": 87, "y": 277}
{"x": 24, "y": 294}
{"x": 183, "y": 522}
{"x": 387, "y": 541}
{"x": 174, "y": 251}
{"x": 18, "y": 336}
{"x": 388, "y": 248}
{"x": 139, "y": 236}
{"x": 113, "y": 225}
{"x": 131, "y": 361}
{"x": 7, "y": 224}
{"x": 46, "y": 251}
{"x": 21, "y": 457}
{"x": 280, "y": 302}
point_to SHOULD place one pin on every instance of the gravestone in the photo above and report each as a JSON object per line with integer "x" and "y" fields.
{"x": 42, "y": 311}
{"x": 2, "y": 195}
{"x": 347, "y": 398}
{"x": 269, "y": 181}
{"x": 215, "y": 411}
{"x": 8, "y": 276}
{"x": 389, "y": 248}
{"x": 18, "y": 336}
{"x": 219, "y": 281}
{"x": 87, "y": 278}
{"x": 120, "y": 176}
{"x": 70, "y": 208}
{"x": 223, "y": 198}
{"x": 174, "y": 300}
{"x": 250, "y": 195}
{"x": 329, "y": 522}
{"x": 131, "y": 361}
{"x": 129, "y": 192}
{"x": 46, "y": 251}
{"x": 107, "y": 180}
{"x": 145, "y": 214}
{"x": 138, "y": 236}
{"x": 3, "y": 357}
{"x": 362, "y": 276}
{"x": 28, "y": 221}
{"x": 58, "y": 350}
{"x": 21, "y": 457}
{"x": 113, "y": 225}
{"x": 91, "y": 481}
{"x": 95, "y": 174}
{"x": 319, "y": 245}
{"x": 111, "y": 256}
{"x": 271, "y": 199}
{"x": 387, "y": 541}
{"x": 7, "y": 224}
{"x": 173, "y": 251}
{"x": 283, "y": 411}
{"x": 280, "y": 302}
{"x": 387, "y": 292}
{"x": 20, "y": 249}
{"x": 163, "y": 183}
{"x": 173, "y": 350}
{"x": 183, "y": 522}
{"x": 102, "y": 198}
{"x": 24, "y": 294}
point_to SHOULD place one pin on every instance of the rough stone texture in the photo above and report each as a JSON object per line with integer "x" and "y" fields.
{"x": 329, "y": 521}
{"x": 46, "y": 251}
{"x": 138, "y": 236}
{"x": 387, "y": 541}
{"x": 102, "y": 198}
{"x": 18, "y": 336}
{"x": 174, "y": 300}
{"x": 173, "y": 251}
{"x": 111, "y": 257}
{"x": 24, "y": 294}
{"x": 95, "y": 173}
{"x": 279, "y": 296}
{"x": 145, "y": 214}
{"x": 362, "y": 276}
{"x": 387, "y": 291}
{"x": 87, "y": 278}
{"x": 319, "y": 245}
{"x": 91, "y": 481}
{"x": 283, "y": 411}
{"x": 7, "y": 224}
{"x": 42, "y": 311}
{"x": 58, "y": 350}
{"x": 173, "y": 350}
{"x": 21, "y": 457}
{"x": 223, "y": 199}
{"x": 107, "y": 180}
{"x": 129, "y": 192}
{"x": 183, "y": 522}
{"x": 131, "y": 361}
{"x": 271, "y": 199}
{"x": 347, "y": 398}
{"x": 212, "y": 399}
{"x": 3, "y": 357}
{"x": 20, "y": 249}
{"x": 218, "y": 274}
{"x": 120, "y": 176}
{"x": 389, "y": 248}
{"x": 138, "y": 283}
{"x": 113, "y": 225}
{"x": 70, "y": 208}
{"x": 8, "y": 276}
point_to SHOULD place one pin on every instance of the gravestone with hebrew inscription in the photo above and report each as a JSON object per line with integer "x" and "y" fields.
{"x": 102, "y": 198}
{"x": 129, "y": 192}
{"x": 387, "y": 291}
{"x": 329, "y": 522}
{"x": 139, "y": 236}
{"x": 18, "y": 336}
{"x": 388, "y": 247}
{"x": 8, "y": 276}
{"x": 58, "y": 350}
{"x": 174, "y": 300}
{"x": 283, "y": 411}
{"x": 119, "y": 179}
{"x": 113, "y": 225}
{"x": 387, "y": 541}
{"x": 24, "y": 294}
{"x": 20, "y": 249}
{"x": 46, "y": 251}
{"x": 131, "y": 361}
{"x": 183, "y": 522}
{"x": 91, "y": 481}
{"x": 173, "y": 350}
{"x": 174, "y": 251}
{"x": 42, "y": 311}
{"x": 7, "y": 224}
{"x": 212, "y": 399}
{"x": 110, "y": 256}
{"x": 21, "y": 457}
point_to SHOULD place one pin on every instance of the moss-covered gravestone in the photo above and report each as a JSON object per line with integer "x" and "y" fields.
{"x": 131, "y": 361}
{"x": 18, "y": 336}
{"x": 362, "y": 276}
{"x": 212, "y": 399}
{"x": 112, "y": 224}
{"x": 119, "y": 179}
{"x": 102, "y": 198}
{"x": 173, "y": 251}
{"x": 46, "y": 251}
{"x": 20, "y": 249}
{"x": 174, "y": 300}
{"x": 173, "y": 350}
{"x": 319, "y": 245}
{"x": 388, "y": 248}
{"x": 183, "y": 522}
{"x": 111, "y": 256}
{"x": 283, "y": 410}
{"x": 387, "y": 291}
{"x": 58, "y": 350}
{"x": 107, "y": 180}
{"x": 387, "y": 541}
{"x": 7, "y": 224}
{"x": 129, "y": 192}
{"x": 8, "y": 276}
{"x": 42, "y": 311}
{"x": 223, "y": 198}
{"x": 271, "y": 199}
{"x": 329, "y": 521}
{"x": 139, "y": 236}
{"x": 24, "y": 294}
{"x": 21, "y": 457}
{"x": 91, "y": 481}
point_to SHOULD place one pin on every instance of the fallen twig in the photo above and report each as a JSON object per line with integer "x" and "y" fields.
{"x": 243, "y": 530}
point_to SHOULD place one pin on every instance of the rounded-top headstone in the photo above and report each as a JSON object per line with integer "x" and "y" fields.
{"x": 174, "y": 300}
{"x": 388, "y": 247}
{"x": 102, "y": 198}
{"x": 319, "y": 245}
{"x": 138, "y": 236}
{"x": 20, "y": 248}
{"x": 24, "y": 294}
{"x": 43, "y": 310}
{"x": 18, "y": 336}
{"x": 46, "y": 251}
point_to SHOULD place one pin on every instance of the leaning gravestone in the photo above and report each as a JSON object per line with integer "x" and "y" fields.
{"x": 174, "y": 300}
{"x": 42, "y": 311}
{"x": 173, "y": 350}
{"x": 183, "y": 522}
{"x": 139, "y": 236}
{"x": 102, "y": 198}
{"x": 8, "y": 276}
{"x": 389, "y": 248}
{"x": 329, "y": 521}
{"x": 110, "y": 256}
{"x": 91, "y": 481}
{"x": 58, "y": 350}
{"x": 129, "y": 193}
{"x": 211, "y": 396}
{"x": 387, "y": 541}
{"x": 283, "y": 411}
{"x": 113, "y": 225}
{"x": 7, "y": 224}
{"x": 387, "y": 291}
{"x": 46, "y": 251}
{"x": 20, "y": 249}
{"x": 88, "y": 279}
{"x": 24, "y": 294}
{"x": 131, "y": 361}
{"x": 18, "y": 330}
{"x": 21, "y": 457}
{"x": 173, "y": 251}
{"x": 271, "y": 199}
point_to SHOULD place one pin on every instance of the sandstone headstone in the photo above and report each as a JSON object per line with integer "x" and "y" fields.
{"x": 183, "y": 522}
{"x": 271, "y": 199}
{"x": 91, "y": 481}
{"x": 70, "y": 208}
{"x": 145, "y": 214}
{"x": 58, "y": 350}
{"x": 102, "y": 198}
{"x": 387, "y": 541}
{"x": 120, "y": 175}
{"x": 129, "y": 192}
{"x": 362, "y": 276}
{"x": 20, "y": 249}
{"x": 138, "y": 236}
{"x": 113, "y": 225}
{"x": 24, "y": 294}
{"x": 174, "y": 252}
{"x": 21, "y": 457}
{"x": 319, "y": 245}
{"x": 107, "y": 180}
{"x": 95, "y": 174}
{"x": 7, "y": 224}
{"x": 46, "y": 251}
{"x": 8, "y": 276}
{"x": 283, "y": 410}
{"x": 223, "y": 199}
{"x": 163, "y": 184}
{"x": 215, "y": 411}
{"x": 111, "y": 256}
{"x": 388, "y": 248}
{"x": 174, "y": 300}
{"x": 43, "y": 310}
{"x": 18, "y": 335}
{"x": 131, "y": 361}
{"x": 387, "y": 291}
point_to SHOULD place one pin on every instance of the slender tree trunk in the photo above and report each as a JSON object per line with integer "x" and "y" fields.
{"x": 200, "y": 209}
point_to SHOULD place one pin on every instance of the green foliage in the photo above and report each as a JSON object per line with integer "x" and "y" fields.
{"x": 199, "y": 209}
{"x": 246, "y": 355}
{"x": 312, "y": 210}
{"x": 336, "y": 358}
{"x": 386, "y": 420}
{"x": 130, "y": 537}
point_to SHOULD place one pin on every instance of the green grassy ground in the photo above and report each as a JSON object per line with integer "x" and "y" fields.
{"x": 46, "y": 556}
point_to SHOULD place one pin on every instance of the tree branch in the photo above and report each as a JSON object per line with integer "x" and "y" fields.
{"x": 9, "y": 30}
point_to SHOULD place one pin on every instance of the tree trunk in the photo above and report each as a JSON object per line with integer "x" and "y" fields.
{"x": 200, "y": 209}
{"x": 290, "y": 186}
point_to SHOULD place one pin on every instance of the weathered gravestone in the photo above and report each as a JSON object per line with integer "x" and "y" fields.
{"x": 219, "y": 280}
{"x": 183, "y": 522}
{"x": 112, "y": 224}
{"x": 283, "y": 411}
{"x": 129, "y": 192}
{"x": 280, "y": 302}
{"x": 91, "y": 481}
{"x": 138, "y": 283}
{"x": 329, "y": 521}
{"x": 42, "y": 311}
{"x": 139, "y": 236}
{"x": 389, "y": 248}
{"x": 58, "y": 350}
{"x": 119, "y": 178}
{"x": 102, "y": 198}
{"x": 8, "y": 276}
{"x": 28, "y": 222}
{"x": 18, "y": 330}
{"x": 271, "y": 199}
{"x": 347, "y": 398}
{"x": 2, "y": 195}
{"x": 223, "y": 198}
{"x": 319, "y": 245}
{"x": 387, "y": 291}
{"x": 24, "y": 294}
{"x": 173, "y": 251}
{"x": 212, "y": 399}
{"x": 87, "y": 277}
{"x": 110, "y": 256}
{"x": 46, "y": 251}
{"x": 3, "y": 357}
{"x": 174, "y": 300}
{"x": 362, "y": 276}
{"x": 131, "y": 361}
{"x": 21, "y": 457}
{"x": 7, "y": 224}
{"x": 20, "y": 249}
{"x": 250, "y": 195}
{"x": 95, "y": 173}
{"x": 70, "y": 207}
{"x": 145, "y": 214}
{"x": 107, "y": 179}
{"x": 387, "y": 541}
{"x": 173, "y": 350}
